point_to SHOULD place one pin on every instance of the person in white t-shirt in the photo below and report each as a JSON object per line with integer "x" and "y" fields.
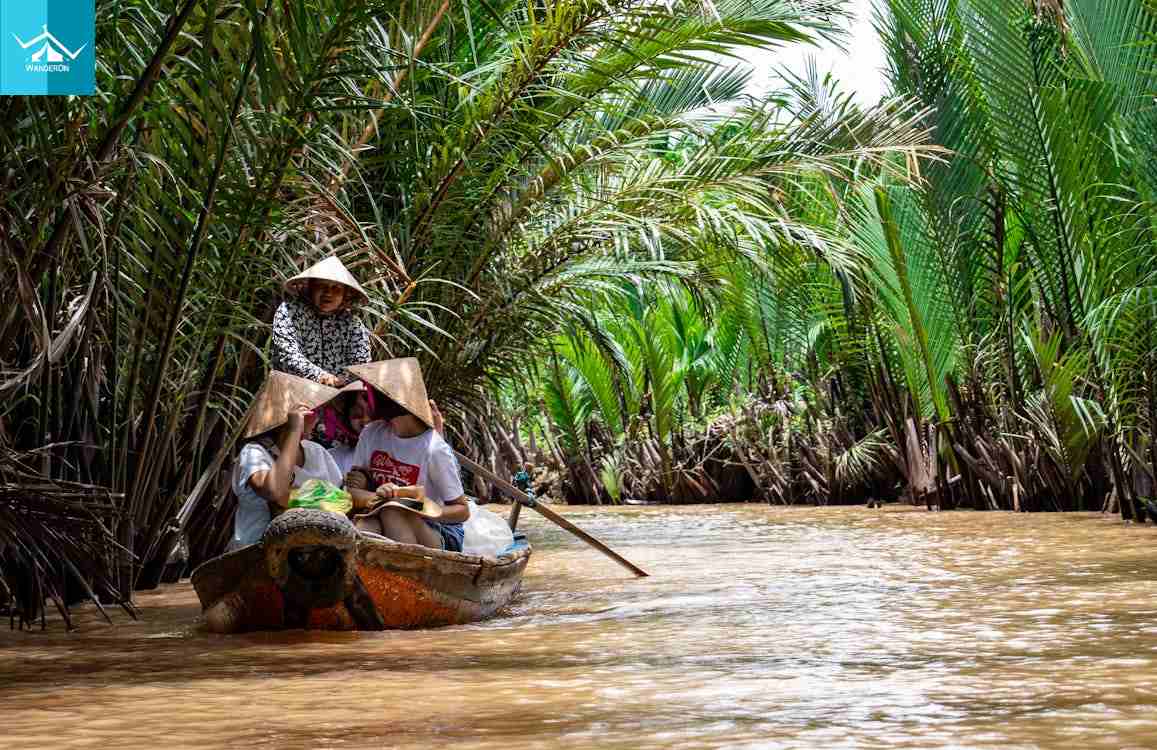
{"x": 276, "y": 459}
{"x": 353, "y": 414}
{"x": 403, "y": 450}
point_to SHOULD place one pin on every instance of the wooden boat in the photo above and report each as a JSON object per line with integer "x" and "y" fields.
{"x": 314, "y": 570}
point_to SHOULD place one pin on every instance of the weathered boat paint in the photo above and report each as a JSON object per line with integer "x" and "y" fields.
{"x": 391, "y": 585}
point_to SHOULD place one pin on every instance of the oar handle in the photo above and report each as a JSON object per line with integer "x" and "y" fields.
{"x": 544, "y": 510}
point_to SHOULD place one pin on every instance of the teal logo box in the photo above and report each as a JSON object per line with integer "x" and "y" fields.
{"x": 47, "y": 47}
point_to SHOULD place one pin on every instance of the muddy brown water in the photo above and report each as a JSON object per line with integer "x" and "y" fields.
{"x": 760, "y": 628}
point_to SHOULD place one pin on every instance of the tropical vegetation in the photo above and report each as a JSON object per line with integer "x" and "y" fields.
{"x": 609, "y": 261}
{"x": 984, "y": 336}
{"x": 487, "y": 168}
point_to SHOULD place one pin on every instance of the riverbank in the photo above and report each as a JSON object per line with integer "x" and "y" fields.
{"x": 760, "y": 627}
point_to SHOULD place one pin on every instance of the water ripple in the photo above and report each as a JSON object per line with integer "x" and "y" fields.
{"x": 760, "y": 628}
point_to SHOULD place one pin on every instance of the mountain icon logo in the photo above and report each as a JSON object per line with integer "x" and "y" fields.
{"x": 52, "y": 49}
{"x": 48, "y": 47}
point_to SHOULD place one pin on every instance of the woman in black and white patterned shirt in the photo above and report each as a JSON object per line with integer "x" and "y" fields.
{"x": 316, "y": 334}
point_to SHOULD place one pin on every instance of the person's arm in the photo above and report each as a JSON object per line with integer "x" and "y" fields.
{"x": 358, "y": 480}
{"x": 275, "y": 485}
{"x": 363, "y": 499}
{"x": 253, "y": 460}
{"x": 359, "y": 477}
{"x": 455, "y": 511}
{"x": 287, "y": 349}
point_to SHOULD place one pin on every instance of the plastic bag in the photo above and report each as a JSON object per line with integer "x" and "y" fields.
{"x": 486, "y": 533}
{"x": 318, "y": 493}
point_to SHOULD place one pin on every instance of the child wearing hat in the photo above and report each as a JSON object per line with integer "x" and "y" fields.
{"x": 404, "y": 456}
{"x": 275, "y": 459}
{"x": 352, "y": 413}
{"x": 316, "y": 334}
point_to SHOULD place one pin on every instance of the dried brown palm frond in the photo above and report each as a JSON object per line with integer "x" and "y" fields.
{"x": 328, "y": 226}
{"x": 1053, "y": 8}
{"x": 56, "y": 544}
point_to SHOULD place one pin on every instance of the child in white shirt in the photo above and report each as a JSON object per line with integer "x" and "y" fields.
{"x": 402, "y": 450}
{"x": 276, "y": 458}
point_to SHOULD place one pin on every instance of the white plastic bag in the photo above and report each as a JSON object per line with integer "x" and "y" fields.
{"x": 486, "y": 532}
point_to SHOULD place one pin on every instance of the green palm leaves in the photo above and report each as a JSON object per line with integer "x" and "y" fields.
{"x": 990, "y": 308}
{"x": 489, "y": 169}
{"x": 1040, "y": 219}
{"x": 549, "y": 170}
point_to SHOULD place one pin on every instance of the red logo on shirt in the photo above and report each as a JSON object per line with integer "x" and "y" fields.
{"x": 388, "y": 469}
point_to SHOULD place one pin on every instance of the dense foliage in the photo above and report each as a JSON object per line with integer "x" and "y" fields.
{"x": 563, "y": 208}
{"x": 990, "y": 336}
{"x": 487, "y": 168}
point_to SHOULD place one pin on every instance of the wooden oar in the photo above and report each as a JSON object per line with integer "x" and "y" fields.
{"x": 537, "y": 505}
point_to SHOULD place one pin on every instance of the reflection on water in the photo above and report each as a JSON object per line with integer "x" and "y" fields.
{"x": 760, "y": 628}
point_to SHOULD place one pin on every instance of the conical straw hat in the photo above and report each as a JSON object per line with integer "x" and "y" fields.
{"x": 280, "y": 393}
{"x": 329, "y": 269}
{"x": 400, "y": 380}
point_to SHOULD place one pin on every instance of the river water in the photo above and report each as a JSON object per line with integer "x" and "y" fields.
{"x": 759, "y": 628}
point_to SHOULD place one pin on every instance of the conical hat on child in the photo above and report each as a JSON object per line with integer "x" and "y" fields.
{"x": 328, "y": 269}
{"x": 280, "y": 393}
{"x": 400, "y": 380}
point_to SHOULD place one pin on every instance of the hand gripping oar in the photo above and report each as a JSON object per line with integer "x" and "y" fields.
{"x": 537, "y": 505}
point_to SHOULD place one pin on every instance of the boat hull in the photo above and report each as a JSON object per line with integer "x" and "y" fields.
{"x": 390, "y": 585}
